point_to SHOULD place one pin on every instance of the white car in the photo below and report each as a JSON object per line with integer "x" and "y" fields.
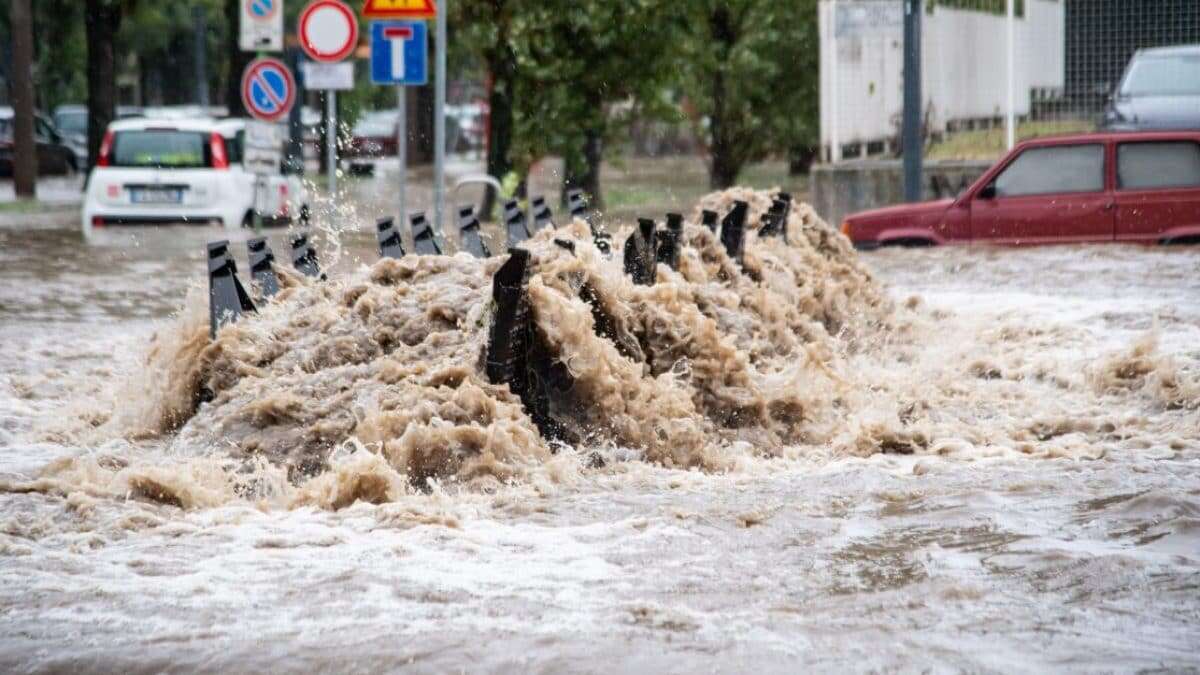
{"x": 157, "y": 171}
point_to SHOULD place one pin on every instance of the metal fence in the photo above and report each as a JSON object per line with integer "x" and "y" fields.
{"x": 1050, "y": 64}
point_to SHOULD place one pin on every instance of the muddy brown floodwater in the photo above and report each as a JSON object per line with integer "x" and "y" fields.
{"x": 942, "y": 459}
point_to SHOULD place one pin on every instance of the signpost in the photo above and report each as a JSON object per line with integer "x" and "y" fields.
{"x": 268, "y": 89}
{"x": 439, "y": 119}
{"x": 261, "y": 26}
{"x": 261, "y": 155}
{"x": 328, "y": 33}
{"x": 398, "y": 57}
{"x": 398, "y": 51}
{"x": 263, "y": 147}
{"x": 399, "y": 9}
{"x": 335, "y": 76}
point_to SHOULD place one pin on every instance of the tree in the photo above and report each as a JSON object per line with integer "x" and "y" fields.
{"x": 579, "y": 59}
{"x": 748, "y": 72}
{"x": 103, "y": 20}
{"x": 489, "y": 25}
{"x": 237, "y": 60}
{"x": 24, "y": 149}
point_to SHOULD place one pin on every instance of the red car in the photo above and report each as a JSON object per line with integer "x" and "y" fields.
{"x": 374, "y": 135}
{"x": 1132, "y": 186}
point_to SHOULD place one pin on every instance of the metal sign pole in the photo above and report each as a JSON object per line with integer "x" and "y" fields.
{"x": 439, "y": 118}
{"x": 402, "y": 147}
{"x": 1010, "y": 118}
{"x": 835, "y": 140}
{"x": 331, "y": 139}
{"x": 912, "y": 140}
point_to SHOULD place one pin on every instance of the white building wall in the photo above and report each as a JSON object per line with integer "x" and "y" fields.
{"x": 963, "y": 65}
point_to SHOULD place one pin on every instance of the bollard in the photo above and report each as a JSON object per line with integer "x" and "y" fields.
{"x": 515, "y": 354}
{"x": 669, "y": 241}
{"x": 469, "y": 239}
{"x": 577, "y": 206}
{"x": 602, "y": 242}
{"x": 774, "y": 221}
{"x": 733, "y": 231}
{"x": 227, "y": 298}
{"x": 576, "y": 203}
{"x": 640, "y": 252}
{"x": 262, "y": 268}
{"x": 541, "y": 214}
{"x": 709, "y": 220}
{"x": 786, "y": 198}
{"x": 508, "y": 335}
{"x": 425, "y": 241}
{"x": 390, "y": 243}
{"x": 304, "y": 256}
{"x": 514, "y": 223}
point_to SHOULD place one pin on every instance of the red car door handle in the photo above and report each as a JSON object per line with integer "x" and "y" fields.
{"x": 1108, "y": 206}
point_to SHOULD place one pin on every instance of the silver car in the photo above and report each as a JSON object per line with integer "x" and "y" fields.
{"x": 1160, "y": 90}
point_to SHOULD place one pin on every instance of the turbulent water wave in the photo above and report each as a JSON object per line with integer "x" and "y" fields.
{"x": 371, "y": 386}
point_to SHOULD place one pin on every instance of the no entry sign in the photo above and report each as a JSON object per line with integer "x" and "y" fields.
{"x": 268, "y": 89}
{"x": 328, "y": 31}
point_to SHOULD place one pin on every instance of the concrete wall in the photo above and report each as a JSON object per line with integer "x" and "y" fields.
{"x": 837, "y": 190}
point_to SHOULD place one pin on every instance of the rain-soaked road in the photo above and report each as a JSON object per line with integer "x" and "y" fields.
{"x": 1053, "y": 524}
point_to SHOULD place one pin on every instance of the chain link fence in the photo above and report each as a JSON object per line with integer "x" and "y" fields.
{"x": 1066, "y": 59}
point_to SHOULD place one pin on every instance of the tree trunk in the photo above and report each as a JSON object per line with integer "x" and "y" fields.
{"x": 502, "y": 66}
{"x": 238, "y": 60}
{"x": 800, "y": 159}
{"x": 725, "y": 161}
{"x": 724, "y": 165}
{"x": 103, "y": 21}
{"x": 420, "y": 126}
{"x": 581, "y": 169}
{"x": 25, "y": 160}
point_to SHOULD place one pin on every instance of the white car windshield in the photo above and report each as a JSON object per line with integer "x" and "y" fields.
{"x": 376, "y": 125}
{"x": 1167, "y": 75}
{"x": 161, "y": 148}
{"x": 72, "y": 122}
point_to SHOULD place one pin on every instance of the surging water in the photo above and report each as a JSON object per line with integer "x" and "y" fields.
{"x": 1050, "y": 499}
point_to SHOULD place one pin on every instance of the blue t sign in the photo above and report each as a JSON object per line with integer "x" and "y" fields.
{"x": 398, "y": 52}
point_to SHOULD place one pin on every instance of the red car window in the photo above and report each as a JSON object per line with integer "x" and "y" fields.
{"x": 1053, "y": 169}
{"x": 1158, "y": 165}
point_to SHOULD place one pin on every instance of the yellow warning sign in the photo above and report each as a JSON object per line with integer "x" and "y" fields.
{"x": 399, "y": 9}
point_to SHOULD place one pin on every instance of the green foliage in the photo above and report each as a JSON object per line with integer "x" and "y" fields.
{"x": 749, "y": 73}
{"x": 155, "y": 45}
{"x": 579, "y": 59}
{"x": 59, "y": 51}
{"x": 741, "y": 73}
{"x": 509, "y": 185}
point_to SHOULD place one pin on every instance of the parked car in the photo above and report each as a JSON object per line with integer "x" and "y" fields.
{"x": 1159, "y": 90}
{"x": 153, "y": 171}
{"x": 54, "y": 155}
{"x": 71, "y": 120}
{"x": 374, "y": 135}
{"x": 1104, "y": 186}
{"x": 471, "y": 119}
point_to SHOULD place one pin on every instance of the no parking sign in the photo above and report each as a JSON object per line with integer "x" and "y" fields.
{"x": 268, "y": 89}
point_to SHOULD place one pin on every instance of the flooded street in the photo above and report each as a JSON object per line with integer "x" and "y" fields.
{"x": 1004, "y": 477}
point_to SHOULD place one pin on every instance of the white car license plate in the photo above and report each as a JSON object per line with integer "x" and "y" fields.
{"x": 156, "y": 195}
